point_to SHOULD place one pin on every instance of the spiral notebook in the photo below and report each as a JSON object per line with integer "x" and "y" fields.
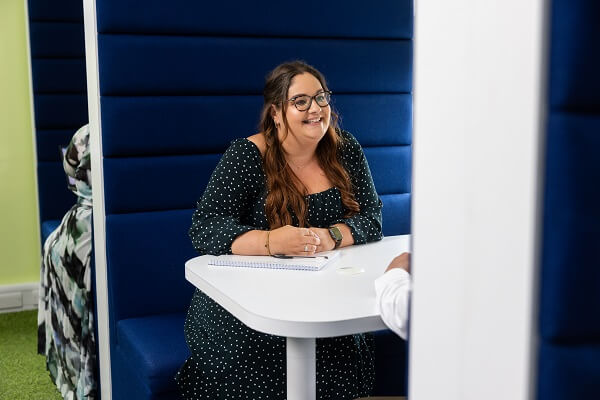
{"x": 313, "y": 263}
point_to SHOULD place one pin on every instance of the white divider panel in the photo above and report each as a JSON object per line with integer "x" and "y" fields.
{"x": 478, "y": 112}
{"x": 93, "y": 90}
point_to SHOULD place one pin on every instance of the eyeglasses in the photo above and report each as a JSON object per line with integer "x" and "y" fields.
{"x": 303, "y": 102}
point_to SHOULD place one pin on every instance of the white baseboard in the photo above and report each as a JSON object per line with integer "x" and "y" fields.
{"x": 20, "y": 297}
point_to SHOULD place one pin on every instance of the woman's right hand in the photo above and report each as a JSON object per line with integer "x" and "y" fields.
{"x": 293, "y": 241}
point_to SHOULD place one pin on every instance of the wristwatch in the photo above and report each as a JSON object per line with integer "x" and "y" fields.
{"x": 336, "y": 235}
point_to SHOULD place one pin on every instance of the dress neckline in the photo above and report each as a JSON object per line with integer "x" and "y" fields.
{"x": 260, "y": 155}
{"x": 321, "y": 192}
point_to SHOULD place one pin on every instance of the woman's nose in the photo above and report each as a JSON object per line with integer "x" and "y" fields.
{"x": 314, "y": 104}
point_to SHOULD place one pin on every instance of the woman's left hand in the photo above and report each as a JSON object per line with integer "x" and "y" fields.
{"x": 327, "y": 242}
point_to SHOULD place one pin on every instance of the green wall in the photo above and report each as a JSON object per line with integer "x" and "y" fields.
{"x": 19, "y": 237}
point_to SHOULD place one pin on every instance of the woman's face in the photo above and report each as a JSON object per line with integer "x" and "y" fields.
{"x": 312, "y": 124}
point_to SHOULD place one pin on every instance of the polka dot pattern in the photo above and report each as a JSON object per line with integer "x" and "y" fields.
{"x": 231, "y": 361}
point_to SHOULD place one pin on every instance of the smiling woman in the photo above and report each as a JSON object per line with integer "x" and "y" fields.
{"x": 299, "y": 186}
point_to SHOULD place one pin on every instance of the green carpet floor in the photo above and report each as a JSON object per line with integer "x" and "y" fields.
{"x": 23, "y": 374}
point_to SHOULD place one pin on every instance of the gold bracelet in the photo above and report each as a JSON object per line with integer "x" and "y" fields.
{"x": 267, "y": 243}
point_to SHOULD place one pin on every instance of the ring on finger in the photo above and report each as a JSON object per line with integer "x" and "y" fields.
{"x": 306, "y": 248}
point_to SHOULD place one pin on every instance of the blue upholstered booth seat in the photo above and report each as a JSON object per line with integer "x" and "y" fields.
{"x": 129, "y": 385}
{"x": 177, "y": 84}
{"x": 59, "y": 97}
{"x": 390, "y": 372}
{"x": 569, "y": 322}
{"x": 149, "y": 296}
{"x": 48, "y": 227}
{"x": 570, "y": 299}
{"x": 155, "y": 348}
{"x": 569, "y": 371}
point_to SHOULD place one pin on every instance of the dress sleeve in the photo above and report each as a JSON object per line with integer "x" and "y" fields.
{"x": 232, "y": 187}
{"x": 366, "y": 225}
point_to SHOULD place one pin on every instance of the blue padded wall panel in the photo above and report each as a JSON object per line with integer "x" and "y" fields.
{"x": 575, "y": 56}
{"x": 569, "y": 308}
{"x": 186, "y": 119}
{"x": 48, "y": 143}
{"x": 158, "y": 183}
{"x": 569, "y": 372}
{"x": 389, "y": 19}
{"x": 378, "y": 119}
{"x": 59, "y": 75}
{"x": 52, "y": 184}
{"x": 570, "y": 299}
{"x": 65, "y": 10}
{"x": 193, "y": 124}
{"x": 60, "y": 111}
{"x": 179, "y": 82}
{"x": 396, "y": 214}
{"x": 57, "y": 39}
{"x": 391, "y": 168}
{"x": 175, "y": 182}
{"x": 154, "y": 246}
{"x": 151, "y": 65}
{"x": 59, "y": 84}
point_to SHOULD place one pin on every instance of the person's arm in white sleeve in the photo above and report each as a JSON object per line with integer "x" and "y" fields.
{"x": 392, "y": 295}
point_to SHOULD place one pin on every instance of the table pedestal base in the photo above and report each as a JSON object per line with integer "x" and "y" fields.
{"x": 301, "y": 369}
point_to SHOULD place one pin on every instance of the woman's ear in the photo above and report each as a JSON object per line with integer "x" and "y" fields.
{"x": 276, "y": 114}
{"x": 274, "y": 111}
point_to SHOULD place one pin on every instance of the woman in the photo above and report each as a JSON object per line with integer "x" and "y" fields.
{"x": 299, "y": 186}
{"x": 66, "y": 307}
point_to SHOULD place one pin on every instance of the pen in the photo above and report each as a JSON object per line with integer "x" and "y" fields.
{"x": 286, "y": 256}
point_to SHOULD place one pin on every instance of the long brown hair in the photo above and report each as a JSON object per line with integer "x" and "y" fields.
{"x": 283, "y": 186}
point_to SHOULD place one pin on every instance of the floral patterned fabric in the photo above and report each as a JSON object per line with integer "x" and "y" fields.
{"x": 65, "y": 313}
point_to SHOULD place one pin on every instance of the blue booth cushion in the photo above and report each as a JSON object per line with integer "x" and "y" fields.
{"x": 396, "y": 214}
{"x": 390, "y": 364}
{"x": 171, "y": 177}
{"x": 154, "y": 348}
{"x": 569, "y": 371}
{"x": 59, "y": 76}
{"x": 574, "y": 60}
{"x": 570, "y": 299}
{"x": 55, "y": 39}
{"x": 146, "y": 65}
{"x": 48, "y": 143}
{"x": 60, "y": 110}
{"x": 152, "y": 281}
{"x": 123, "y": 115}
{"x": 163, "y": 109}
{"x": 48, "y": 227}
{"x": 390, "y": 19}
{"x": 52, "y": 184}
{"x": 49, "y": 11}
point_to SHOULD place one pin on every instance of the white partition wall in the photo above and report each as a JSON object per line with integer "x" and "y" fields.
{"x": 92, "y": 74}
{"x": 477, "y": 121}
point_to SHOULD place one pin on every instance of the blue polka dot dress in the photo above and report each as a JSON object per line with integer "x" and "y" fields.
{"x": 231, "y": 361}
